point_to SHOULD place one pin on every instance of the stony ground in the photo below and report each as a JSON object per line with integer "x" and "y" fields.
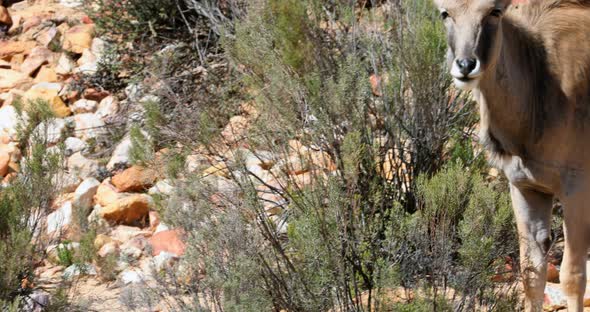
{"x": 47, "y": 46}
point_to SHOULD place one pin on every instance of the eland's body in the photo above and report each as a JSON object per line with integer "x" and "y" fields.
{"x": 529, "y": 68}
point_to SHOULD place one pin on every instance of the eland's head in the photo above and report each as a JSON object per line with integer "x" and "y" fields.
{"x": 474, "y": 37}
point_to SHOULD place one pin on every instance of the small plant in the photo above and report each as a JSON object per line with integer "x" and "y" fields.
{"x": 65, "y": 255}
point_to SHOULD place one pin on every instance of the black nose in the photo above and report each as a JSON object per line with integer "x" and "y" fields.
{"x": 466, "y": 66}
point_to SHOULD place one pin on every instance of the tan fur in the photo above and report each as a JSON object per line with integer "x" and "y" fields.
{"x": 534, "y": 97}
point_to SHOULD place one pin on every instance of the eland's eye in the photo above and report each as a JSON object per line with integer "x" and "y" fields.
{"x": 444, "y": 15}
{"x": 496, "y": 13}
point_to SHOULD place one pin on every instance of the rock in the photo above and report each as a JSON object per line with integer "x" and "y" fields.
{"x": 95, "y": 95}
{"x": 10, "y": 79}
{"x": 161, "y": 227}
{"x": 124, "y": 233}
{"x": 55, "y": 102}
{"x": 37, "y": 301}
{"x": 81, "y": 166}
{"x": 68, "y": 181}
{"x": 87, "y": 58}
{"x": 107, "y": 107}
{"x": 133, "y": 249}
{"x": 154, "y": 220}
{"x": 128, "y": 209}
{"x": 88, "y": 126}
{"x": 4, "y": 161}
{"x": 71, "y": 3}
{"x": 57, "y": 220}
{"x": 235, "y": 129}
{"x": 164, "y": 261}
{"x": 107, "y": 194}
{"x": 168, "y": 241}
{"x": 101, "y": 240}
{"x": 196, "y": 163}
{"x": 375, "y": 84}
{"x": 98, "y": 48}
{"x": 8, "y": 49}
{"x": 78, "y": 38}
{"x": 38, "y": 56}
{"x": 162, "y": 188}
{"x": 120, "y": 155}
{"x": 552, "y": 273}
{"x": 75, "y": 270}
{"x": 110, "y": 248}
{"x": 84, "y": 194}
{"x": 554, "y": 297}
{"x": 84, "y": 106}
{"x": 134, "y": 179}
{"x": 46, "y": 74}
{"x": 74, "y": 145}
{"x": 131, "y": 277}
{"x": 51, "y": 130}
{"x": 65, "y": 65}
{"x": 49, "y": 37}
{"x": 8, "y": 120}
{"x": 5, "y": 18}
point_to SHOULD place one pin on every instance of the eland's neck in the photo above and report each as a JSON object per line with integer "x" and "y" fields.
{"x": 513, "y": 92}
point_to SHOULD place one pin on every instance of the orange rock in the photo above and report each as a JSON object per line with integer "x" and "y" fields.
{"x": 4, "y": 161}
{"x": 78, "y": 38}
{"x": 46, "y": 74}
{"x": 154, "y": 220}
{"x": 134, "y": 179}
{"x": 552, "y": 273}
{"x": 51, "y": 96}
{"x": 11, "y": 48}
{"x": 95, "y": 95}
{"x": 375, "y": 85}
{"x": 5, "y": 18}
{"x": 168, "y": 241}
{"x": 107, "y": 194}
{"x": 128, "y": 209}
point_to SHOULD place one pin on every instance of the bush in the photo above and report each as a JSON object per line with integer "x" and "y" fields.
{"x": 394, "y": 196}
{"x": 23, "y": 204}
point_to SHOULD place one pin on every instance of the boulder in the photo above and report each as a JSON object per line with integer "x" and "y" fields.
{"x": 107, "y": 194}
{"x": 78, "y": 38}
{"x": 48, "y": 37}
{"x": 65, "y": 65}
{"x": 8, "y": 120}
{"x": 51, "y": 130}
{"x": 11, "y": 79}
{"x": 74, "y": 145}
{"x": 110, "y": 248}
{"x": 8, "y": 49}
{"x": 4, "y": 161}
{"x": 5, "y": 18}
{"x": 84, "y": 106}
{"x": 127, "y": 210}
{"x": 124, "y": 233}
{"x": 46, "y": 74}
{"x": 121, "y": 154}
{"x": 134, "y": 179}
{"x": 84, "y": 194}
{"x": 170, "y": 241}
{"x": 88, "y": 126}
{"x": 51, "y": 96}
{"x": 37, "y": 57}
{"x": 81, "y": 166}
{"x": 57, "y": 220}
{"x": 101, "y": 240}
{"x": 235, "y": 129}
{"x": 107, "y": 107}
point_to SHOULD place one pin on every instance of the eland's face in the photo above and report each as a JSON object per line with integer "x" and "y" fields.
{"x": 473, "y": 37}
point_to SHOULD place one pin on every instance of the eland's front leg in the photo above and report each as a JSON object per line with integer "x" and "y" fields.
{"x": 573, "y": 267}
{"x": 533, "y": 217}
